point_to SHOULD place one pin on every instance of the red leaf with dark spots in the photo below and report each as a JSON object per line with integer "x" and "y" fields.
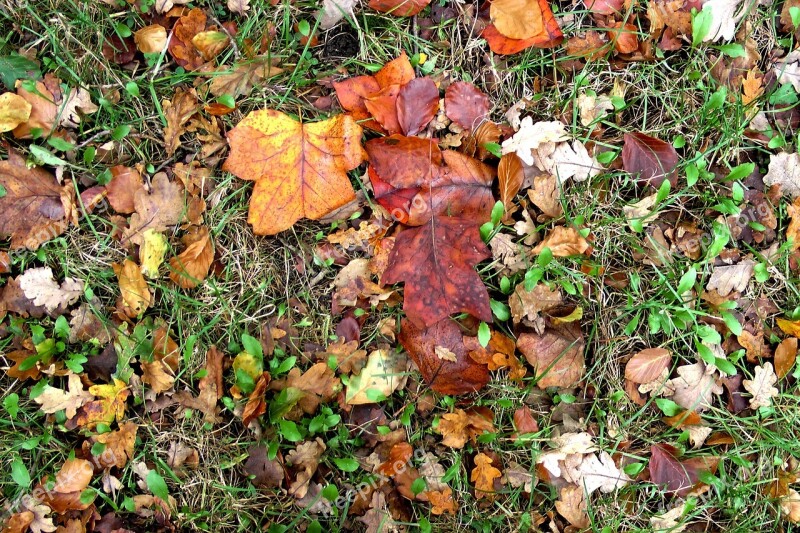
{"x": 651, "y": 160}
{"x": 444, "y": 376}
{"x": 466, "y": 105}
{"x": 417, "y": 104}
{"x": 436, "y": 261}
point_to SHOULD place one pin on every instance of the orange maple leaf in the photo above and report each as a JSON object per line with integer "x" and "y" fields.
{"x": 300, "y": 169}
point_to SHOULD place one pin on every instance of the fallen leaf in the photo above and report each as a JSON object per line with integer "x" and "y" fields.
{"x": 752, "y": 87}
{"x": 790, "y": 506}
{"x": 335, "y": 10}
{"x": 647, "y": 365}
{"x": 784, "y": 170}
{"x": 446, "y": 377}
{"x": 724, "y": 16}
{"x": 383, "y": 374}
{"x": 191, "y": 267}
{"x": 43, "y": 111}
{"x": 42, "y": 289}
{"x": 266, "y": 472}
{"x": 484, "y": 476}
{"x": 52, "y": 399}
{"x": 136, "y": 297}
{"x": 34, "y": 208}
{"x": 417, "y": 103}
{"x": 441, "y": 501}
{"x": 109, "y": 406}
{"x": 164, "y": 206}
{"x": 526, "y": 304}
{"x": 466, "y": 105}
{"x": 650, "y": 160}
{"x": 604, "y": 7}
{"x": 728, "y": 278}
{"x": 256, "y": 404}
{"x": 125, "y": 183}
{"x": 152, "y": 251}
{"x": 300, "y": 170}
{"x": 556, "y": 355}
{"x": 178, "y": 111}
{"x": 460, "y": 426}
{"x": 563, "y": 242}
{"x": 240, "y": 7}
{"x": 669, "y": 521}
{"x": 694, "y": 388}
{"x": 399, "y": 8}
{"x": 754, "y": 345}
{"x": 593, "y": 107}
{"x": 180, "y": 45}
{"x": 509, "y": 256}
{"x": 761, "y": 386}
{"x": 77, "y": 104}
{"x": 119, "y": 446}
{"x": 210, "y": 43}
{"x": 305, "y": 459}
{"x": 575, "y": 459}
{"x": 151, "y": 39}
{"x": 624, "y": 37}
{"x": 14, "y": 110}
{"x": 548, "y": 36}
{"x": 785, "y": 357}
{"x": 571, "y": 504}
{"x": 510, "y": 176}
{"x": 677, "y": 476}
{"x": 243, "y": 76}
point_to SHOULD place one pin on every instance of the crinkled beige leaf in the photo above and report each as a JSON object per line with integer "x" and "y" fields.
{"x": 305, "y": 458}
{"x": 508, "y": 255}
{"x": 761, "y": 386}
{"x": 641, "y": 211}
{"x": 240, "y": 7}
{"x": 592, "y": 107}
{"x": 526, "y": 305}
{"x": 669, "y": 521}
{"x": 790, "y": 505}
{"x": 335, "y": 10}
{"x": 78, "y": 103}
{"x": 571, "y": 504}
{"x": 725, "y": 16}
{"x": 694, "y": 388}
{"x": 784, "y": 168}
{"x": 728, "y": 278}
{"x": 53, "y": 399}
{"x": 42, "y": 289}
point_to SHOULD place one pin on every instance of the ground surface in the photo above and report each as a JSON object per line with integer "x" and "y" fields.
{"x": 643, "y": 283}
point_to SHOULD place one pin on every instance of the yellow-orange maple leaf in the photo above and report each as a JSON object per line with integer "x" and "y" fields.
{"x": 300, "y": 170}
{"x": 752, "y": 87}
{"x": 109, "y": 406}
{"x": 483, "y": 475}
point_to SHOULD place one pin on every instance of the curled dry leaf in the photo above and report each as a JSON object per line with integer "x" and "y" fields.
{"x": 442, "y": 375}
{"x": 242, "y": 77}
{"x": 300, "y": 170}
{"x": 191, "y": 267}
{"x": 526, "y": 305}
{"x": 728, "y": 278}
{"x": 694, "y": 388}
{"x": 109, "y": 406}
{"x": 180, "y": 45}
{"x": 510, "y": 176}
{"x": 178, "y": 112}
{"x": 162, "y": 207}
{"x": 136, "y": 297}
{"x": 441, "y": 501}
{"x": 784, "y": 170}
{"x": 305, "y": 459}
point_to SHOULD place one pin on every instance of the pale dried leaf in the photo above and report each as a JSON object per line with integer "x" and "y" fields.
{"x": 761, "y": 386}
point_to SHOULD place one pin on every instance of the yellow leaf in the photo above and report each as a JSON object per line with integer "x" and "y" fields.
{"x": 752, "y": 87}
{"x": 152, "y": 252}
{"x": 300, "y": 170}
{"x": 14, "y": 110}
{"x": 135, "y": 294}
